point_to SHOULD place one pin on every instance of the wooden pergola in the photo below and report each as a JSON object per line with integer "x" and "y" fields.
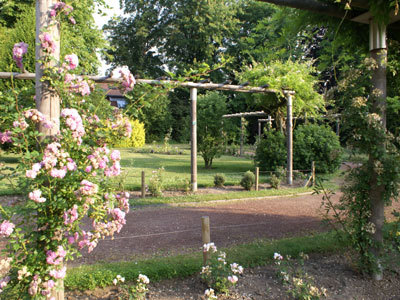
{"x": 194, "y": 86}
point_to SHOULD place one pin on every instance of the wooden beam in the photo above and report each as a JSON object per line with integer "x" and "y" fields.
{"x": 206, "y": 86}
{"x": 316, "y": 7}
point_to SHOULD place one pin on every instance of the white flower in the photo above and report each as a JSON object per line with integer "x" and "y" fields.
{"x": 115, "y": 281}
{"x": 277, "y": 256}
{"x": 143, "y": 278}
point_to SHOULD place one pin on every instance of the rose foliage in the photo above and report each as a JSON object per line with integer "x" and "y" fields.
{"x": 67, "y": 176}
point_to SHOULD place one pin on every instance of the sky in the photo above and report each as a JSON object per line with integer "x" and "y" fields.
{"x": 101, "y": 20}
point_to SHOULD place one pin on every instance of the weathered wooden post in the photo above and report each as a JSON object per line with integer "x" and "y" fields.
{"x": 205, "y": 234}
{"x": 269, "y": 122}
{"x": 259, "y": 130}
{"x": 257, "y": 177}
{"x": 241, "y": 135}
{"x": 47, "y": 100}
{"x": 289, "y": 138}
{"x": 313, "y": 172}
{"x": 143, "y": 184}
{"x": 193, "y": 145}
{"x": 378, "y": 52}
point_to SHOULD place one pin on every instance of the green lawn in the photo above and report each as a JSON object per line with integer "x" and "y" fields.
{"x": 177, "y": 168}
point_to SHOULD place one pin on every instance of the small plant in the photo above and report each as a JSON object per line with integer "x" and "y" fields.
{"x": 280, "y": 172}
{"x": 299, "y": 284}
{"x": 275, "y": 181}
{"x": 219, "y": 180}
{"x": 248, "y": 180}
{"x": 156, "y": 183}
{"x": 218, "y": 274}
{"x": 132, "y": 292}
{"x": 210, "y": 295}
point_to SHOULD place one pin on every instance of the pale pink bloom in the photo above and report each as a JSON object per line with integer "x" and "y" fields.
{"x": 31, "y": 174}
{"x": 6, "y": 228}
{"x": 233, "y": 279}
{"x": 71, "y": 165}
{"x": 18, "y": 52}
{"x": 115, "y": 155}
{"x": 277, "y": 256}
{"x": 72, "y": 20}
{"x": 88, "y": 169}
{"x": 53, "y": 13}
{"x": 36, "y": 196}
{"x": 36, "y": 167}
{"x": 71, "y": 215}
{"x": 72, "y": 61}
{"x": 47, "y": 42}
{"x": 58, "y": 173}
{"x": 128, "y": 80}
{"x": 58, "y": 274}
{"x": 5, "y": 137}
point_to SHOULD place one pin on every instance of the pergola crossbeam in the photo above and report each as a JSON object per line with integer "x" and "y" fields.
{"x": 206, "y": 86}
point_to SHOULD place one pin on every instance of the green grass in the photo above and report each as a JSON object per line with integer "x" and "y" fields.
{"x": 177, "y": 169}
{"x": 212, "y": 197}
{"x": 258, "y": 253}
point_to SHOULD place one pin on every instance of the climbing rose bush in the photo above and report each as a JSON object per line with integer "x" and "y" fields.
{"x": 67, "y": 179}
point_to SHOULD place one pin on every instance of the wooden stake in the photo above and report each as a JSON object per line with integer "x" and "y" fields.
{"x": 257, "y": 177}
{"x": 313, "y": 173}
{"x": 193, "y": 149}
{"x": 143, "y": 185}
{"x": 205, "y": 234}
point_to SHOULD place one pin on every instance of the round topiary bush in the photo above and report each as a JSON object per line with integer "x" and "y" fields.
{"x": 137, "y": 138}
{"x": 271, "y": 151}
{"x": 317, "y": 143}
{"x": 248, "y": 180}
{"x": 219, "y": 180}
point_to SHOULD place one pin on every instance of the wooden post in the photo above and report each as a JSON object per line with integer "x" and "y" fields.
{"x": 378, "y": 50}
{"x": 269, "y": 122}
{"x": 241, "y": 135}
{"x": 193, "y": 149}
{"x": 289, "y": 141}
{"x": 143, "y": 185}
{"x": 259, "y": 130}
{"x": 257, "y": 177}
{"x": 205, "y": 234}
{"x": 47, "y": 101}
{"x": 337, "y": 126}
{"x": 313, "y": 172}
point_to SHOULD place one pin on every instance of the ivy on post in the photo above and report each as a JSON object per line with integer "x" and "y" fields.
{"x": 378, "y": 95}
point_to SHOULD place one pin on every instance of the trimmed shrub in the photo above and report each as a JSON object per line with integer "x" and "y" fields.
{"x": 275, "y": 181}
{"x": 219, "y": 180}
{"x": 317, "y": 143}
{"x": 137, "y": 139}
{"x": 248, "y": 180}
{"x": 271, "y": 151}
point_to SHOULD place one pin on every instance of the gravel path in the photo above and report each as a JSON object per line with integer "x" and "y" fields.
{"x": 158, "y": 230}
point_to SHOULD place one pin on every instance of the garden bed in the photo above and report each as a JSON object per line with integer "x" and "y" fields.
{"x": 332, "y": 272}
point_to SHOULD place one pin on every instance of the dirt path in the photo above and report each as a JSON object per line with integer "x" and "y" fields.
{"x": 167, "y": 230}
